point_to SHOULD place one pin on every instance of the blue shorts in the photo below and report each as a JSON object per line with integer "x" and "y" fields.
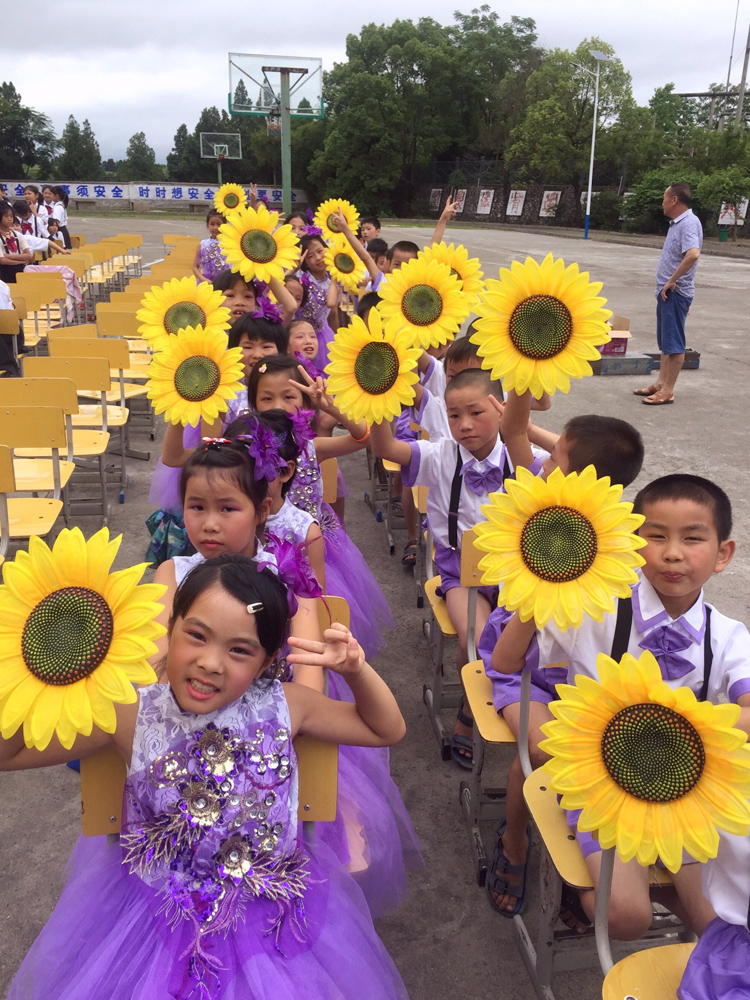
{"x": 670, "y": 322}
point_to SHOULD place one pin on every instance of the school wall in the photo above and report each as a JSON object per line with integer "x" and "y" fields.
{"x": 532, "y": 203}
{"x": 144, "y": 196}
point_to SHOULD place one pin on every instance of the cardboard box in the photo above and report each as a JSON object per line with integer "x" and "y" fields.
{"x": 617, "y": 364}
{"x": 620, "y": 333}
{"x": 691, "y": 362}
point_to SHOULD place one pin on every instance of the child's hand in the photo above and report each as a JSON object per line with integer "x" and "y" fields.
{"x": 449, "y": 212}
{"x": 302, "y": 257}
{"x": 253, "y": 195}
{"x": 340, "y": 219}
{"x": 497, "y": 404}
{"x": 339, "y": 651}
{"x": 315, "y": 389}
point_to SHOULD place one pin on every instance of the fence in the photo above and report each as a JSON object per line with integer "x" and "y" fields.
{"x": 143, "y": 194}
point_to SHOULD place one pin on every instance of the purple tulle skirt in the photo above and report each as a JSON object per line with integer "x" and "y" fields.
{"x": 341, "y": 490}
{"x": 349, "y": 576}
{"x": 718, "y": 967}
{"x": 325, "y": 338}
{"x": 106, "y": 939}
{"x": 372, "y": 837}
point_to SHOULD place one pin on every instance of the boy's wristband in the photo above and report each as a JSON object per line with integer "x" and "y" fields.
{"x": 364, "y": 437}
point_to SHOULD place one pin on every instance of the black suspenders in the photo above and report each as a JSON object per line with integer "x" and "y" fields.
{"x": 456, "y": 495}
{"x": 622, "y": 638}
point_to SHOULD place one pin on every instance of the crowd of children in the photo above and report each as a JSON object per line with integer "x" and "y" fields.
{"x": 245, "y": 545}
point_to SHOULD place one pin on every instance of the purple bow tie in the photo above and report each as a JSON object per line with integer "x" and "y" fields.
{"x": 480, "y": 482}
{"x": 666, "y": 643}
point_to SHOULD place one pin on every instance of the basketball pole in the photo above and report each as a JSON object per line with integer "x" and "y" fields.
{"x": 219, "y": 158}
{"x": 286, "y": 143}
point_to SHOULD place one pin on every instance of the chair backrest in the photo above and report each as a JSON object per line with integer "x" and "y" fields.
{"x": 103, "y": 781}
{"x": 25, "y": 299}
{"x": 329, "y": 474}
{"x": 76, "y": 264}
{"x": 9, "y": 322}
{"x": 119, "y": 324}
{"x": 51, "y": 280}
{"x": 57, "y": 392}
{"x": 77, "y": 240}
{"x": 87, "y": 373}
{"x": 333, "y": 610}
{"x": 85, "y": 331}
{"x": 115, "y": 351}
{"x": 7, "y": 475}
{"x": 32, "y": 426}
{"x": 133, "y": 239}
{"x": 470, "y": 556}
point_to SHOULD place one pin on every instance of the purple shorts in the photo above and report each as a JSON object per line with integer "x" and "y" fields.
{"x": 718, "y": 966}
{"x": 448, "y": 565}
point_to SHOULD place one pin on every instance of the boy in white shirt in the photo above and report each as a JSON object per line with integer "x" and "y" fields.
{"x": 687, "y": 527}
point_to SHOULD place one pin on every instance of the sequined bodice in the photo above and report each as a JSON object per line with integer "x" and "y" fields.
{"x": 306, "y": 491}
{"x": 183, "y": 564}
{"x": 290, "y": 523}
{"x": 211, "y": 260}
{"x": 315, "y": 310}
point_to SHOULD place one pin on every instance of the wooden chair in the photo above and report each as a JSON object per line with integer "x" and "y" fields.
{"x": 391, "y": 470}
{"x": 36, "y": 475}
{"x": 77, "y": 240}
{"x": 440, "y": 695}
{"x": 84, "y": 443}
{"x": 21, "y": 517}
{"x": 103, "y": 782}
{"x": 423, "y": 565}
{"x": 53, "y": 291}
{"x": 9, "y": 327}
{"x": 654, "y": 974}
{"x": 329, "y": 474}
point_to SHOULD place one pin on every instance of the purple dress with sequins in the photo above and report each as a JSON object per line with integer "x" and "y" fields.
{"x": 209, "y": 895}
{"x": 316, "y": 311}
{"x": 347, "y": 573}
{"x": 211, "y": 260}
{"x": 372, "y": 836}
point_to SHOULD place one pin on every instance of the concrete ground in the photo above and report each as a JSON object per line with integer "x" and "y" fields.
{"x": 445, "y": 939}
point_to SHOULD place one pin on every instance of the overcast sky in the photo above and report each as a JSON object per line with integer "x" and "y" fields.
{"x": 149, "y": 65}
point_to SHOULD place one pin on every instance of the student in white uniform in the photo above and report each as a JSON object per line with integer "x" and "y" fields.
{"x": 60, "y": 212}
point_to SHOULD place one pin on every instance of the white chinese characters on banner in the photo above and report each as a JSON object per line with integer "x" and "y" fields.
{"x": 726, "y": 215}
{"x": 550, "y": 201}
{"x": 460, "y": 200}
{"x": 516, "y": 200}
{"x": 435, "y": 196}
{"x": 146, "y": 191}
{"x": 484, "y": 205}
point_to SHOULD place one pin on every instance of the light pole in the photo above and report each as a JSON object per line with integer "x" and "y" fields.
{"x": 600, "y": 58}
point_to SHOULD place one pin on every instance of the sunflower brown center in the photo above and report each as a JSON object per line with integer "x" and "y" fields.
{"x": 67, "y": 635}
{"x": 540, "y": 327}
{"x": 182, "y": 315}
{"x": 231, "y": 199}
{"x": 653, "y": 752}
{"x": 258, "y": 246}
{"x": 422, "y": 305}
{"x": 332, "y": 223}
{"x": 197, "y": 378}
{"x": 558, "y": 544}
{"x": 344, "y": 263}
{"x": 455, "y": 273}
{"x": 376, "y": 368}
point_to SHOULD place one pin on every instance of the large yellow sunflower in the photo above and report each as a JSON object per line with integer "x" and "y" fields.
{"x": 256, "y": 246}
{"x": 466, "y": 269}
{"x": 194, "y": 376}
{"x": 178, "y": 304}
{"x": 561, "y": 548}
{"x": 427, "y": 300}
{"x": 653, "y": 769}
{"x": 229, "y": 198}
{"x": 344, "y": 265}
{"x": 74, "y": 638}
{"x": 540, "y": 326}
{"x": 324, "y": 217}
{"x": 372, "y": 370}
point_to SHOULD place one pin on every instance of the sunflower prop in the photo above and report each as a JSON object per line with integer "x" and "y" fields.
{"x": 427, "y": 301}
{"x": 466, "y": 269}
{"x": 74, "y": 637}
{"x": 561, "y": 548}
{"x": 178, "y": 304}
{"x": 653, "y": 769}
{"x": 344, "y": 265}
{"x": 372, "y": 370}
{"x": 540, "y": 326}
{"x": 255, "y": 245}
{"x": 194, "y": 376}
{"x": 229, "y": 198}
{"x": 325, "y": 217}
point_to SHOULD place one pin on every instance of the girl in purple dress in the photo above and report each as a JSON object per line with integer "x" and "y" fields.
{"x": 322, "y": 301}
{"x": 209, "y": 260}
{"x": 210, "y": 895}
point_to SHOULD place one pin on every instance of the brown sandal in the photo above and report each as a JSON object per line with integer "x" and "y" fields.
{"x": 658, "y": 399}
{"x": 646, "y": 392}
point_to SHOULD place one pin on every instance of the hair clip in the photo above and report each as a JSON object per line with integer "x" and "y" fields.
{"x": 215, "y": 443}
{"x": 263, "y": 369}
{"x": 254, "y": 608}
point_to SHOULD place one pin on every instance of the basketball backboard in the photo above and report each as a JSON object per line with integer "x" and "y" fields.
{"x": 255, "y": 85}
{"x": 221, "y": 146}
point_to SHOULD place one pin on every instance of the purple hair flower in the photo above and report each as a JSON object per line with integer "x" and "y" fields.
{"x": 294, "y": 567}
{"x": 263, "y": 446}
{"x": 303, "y": 422}
{"x": 310, "y": 216}
{"x": 312, "y": 370}
{"x": 313, "y": 231}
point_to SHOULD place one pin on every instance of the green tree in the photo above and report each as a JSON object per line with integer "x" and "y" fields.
{"x": 27, "y": 138}
{"x": 183, "y": 162}
{"x": 643, "y": 210}
{"x": 140, "y": 160}
{"x": 730, "y": 185}
{"x": 241, "y": 97}
{"x": 80, "y": 158}
{"x": 553, "y": 141}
